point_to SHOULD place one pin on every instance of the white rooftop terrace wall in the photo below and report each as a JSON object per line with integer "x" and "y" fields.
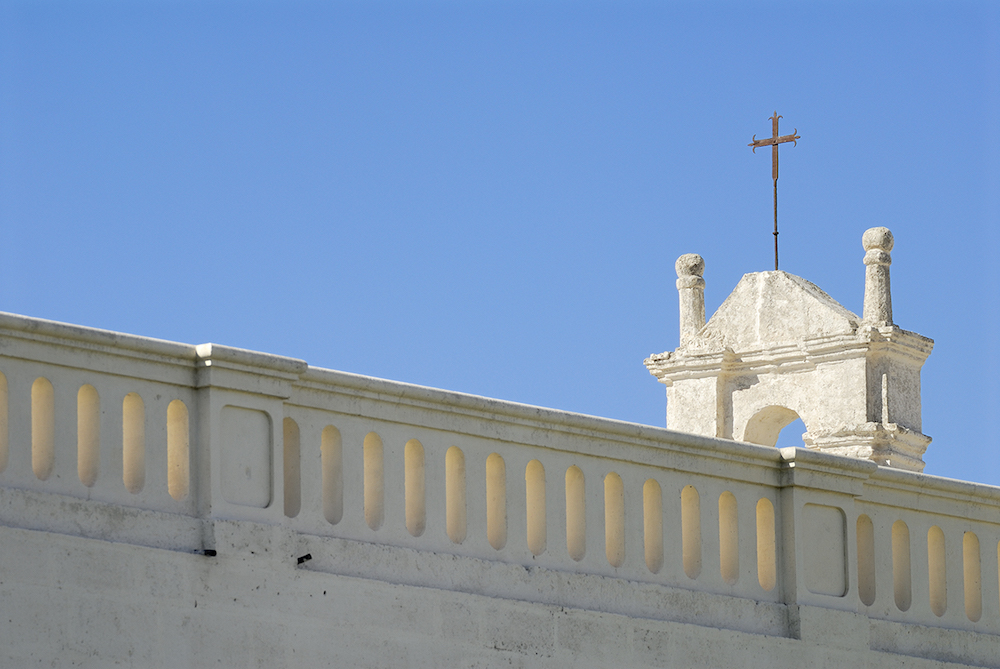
{"x": 444, "y": 529}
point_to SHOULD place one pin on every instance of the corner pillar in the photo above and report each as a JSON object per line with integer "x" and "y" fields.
{"x": 691, "y": 292}
{"x": 878, "y": 300}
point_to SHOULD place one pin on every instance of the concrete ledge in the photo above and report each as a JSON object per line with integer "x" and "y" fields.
{"x": 58, "y": 514}
{"x": 54, "y": 330}
{"x": 536, "y": 585}
{"x": 968, "y": 648}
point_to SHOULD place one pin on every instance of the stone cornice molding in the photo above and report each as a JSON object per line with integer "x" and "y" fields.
{"x": 705, "y": 358}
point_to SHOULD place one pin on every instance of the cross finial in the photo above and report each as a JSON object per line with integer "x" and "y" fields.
{"x": 773, "y": 142}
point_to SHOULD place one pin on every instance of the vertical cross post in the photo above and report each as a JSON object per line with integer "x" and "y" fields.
{"x": 773, "y": 142}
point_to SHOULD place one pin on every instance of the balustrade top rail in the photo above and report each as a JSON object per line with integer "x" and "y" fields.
{"x": 187, "y": 434}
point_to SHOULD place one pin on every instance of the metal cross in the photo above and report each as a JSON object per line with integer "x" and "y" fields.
{"x": 773, "y": 142}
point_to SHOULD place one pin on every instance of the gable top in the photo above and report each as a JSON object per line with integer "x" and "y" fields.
{"x": 772, "y": 308}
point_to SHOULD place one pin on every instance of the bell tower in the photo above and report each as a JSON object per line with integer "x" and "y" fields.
{"x": 779, "y": 348}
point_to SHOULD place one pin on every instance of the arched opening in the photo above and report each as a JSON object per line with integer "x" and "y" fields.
{"x": 652, "y": 520}
{"x": 765, "y": 425}
{"x": 866, "y": 560}
{"x": 791, "y": 435}
{"x": 43, "y": 427}
{"x": 767, "y": 549}
{"x": 576, "y": 513}
{"x": 178, "y": 450}
{"x": 614, "y": 519}
{"x": 456, "y": 512}
{"x": 88, "y": 434}
{"x": 901, "y": 565}
{"x": 293, "y": 466}
{"x": 374, "y": 482}
{"x": 332, "y": 464}
{"x": 133, "y": 443}
{"x": 496, "y": 501}
{"x": 729, "y": 538}
{"x": 534, "y": 480}
{"x": 691, "y": 531}
{"x": 973, "y": 577}
{"x": 414, "y": 488}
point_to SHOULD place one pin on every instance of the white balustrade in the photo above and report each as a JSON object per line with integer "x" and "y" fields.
{"x": 208, "y": 433}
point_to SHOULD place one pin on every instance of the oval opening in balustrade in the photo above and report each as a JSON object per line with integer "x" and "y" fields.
{"x": 652, "y": 525}
{"x": 614, "y": 519}
{"x": 4, "y": 433}
{"x": 767, "y": 571}
{"x": 729, "y": 539}
{"x": 937, "y": 571}
{"x": 413, "y": 487}
{"x": 901, "y": 584}
{"x": 576, "y": 513}
{"x": 454, "y": 482}
{"x": 133, "y": 443}
{"x": 332, "y": 463}
{"x": 88, "y": 434}
{"x": 496, "y": 501}
{"x": 866, "y": 560}
{"x": 534, "y": 480}
{"x": 374, "y": 481}
{"x": 43, "y": 427}
{"x": 178, "y": 450}
{"x": 972, "y": 576}
{"x": 691, "y": 531}
{"x": 292, "y": 463}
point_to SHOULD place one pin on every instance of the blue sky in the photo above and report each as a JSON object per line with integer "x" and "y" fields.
{"x": 489, "y": 197}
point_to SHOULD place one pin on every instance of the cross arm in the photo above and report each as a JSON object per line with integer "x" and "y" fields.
{"x": 769, "y": 141}
{"x": 757, "y": 143}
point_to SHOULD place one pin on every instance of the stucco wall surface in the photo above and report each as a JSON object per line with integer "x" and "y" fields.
{"x": 74, "y": 602}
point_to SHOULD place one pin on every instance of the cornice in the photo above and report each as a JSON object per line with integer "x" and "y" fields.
{"x": 707, "y": 358}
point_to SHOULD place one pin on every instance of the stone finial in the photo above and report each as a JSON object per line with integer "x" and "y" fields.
{"x": 691, "y": 289}
{"x": 878, "y": 301}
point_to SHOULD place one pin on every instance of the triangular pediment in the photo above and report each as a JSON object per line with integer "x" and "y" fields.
{"x": 771, "y": 308}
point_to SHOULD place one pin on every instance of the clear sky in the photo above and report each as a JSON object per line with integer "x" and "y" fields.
{"x": 489, "y": 197}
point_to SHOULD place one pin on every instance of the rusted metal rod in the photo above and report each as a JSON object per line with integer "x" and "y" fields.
{"x": 773, "y": 142}
{"x": 775, "y": 225}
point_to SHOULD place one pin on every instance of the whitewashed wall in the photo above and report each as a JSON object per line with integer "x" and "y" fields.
{"x": 444, "y": 529}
